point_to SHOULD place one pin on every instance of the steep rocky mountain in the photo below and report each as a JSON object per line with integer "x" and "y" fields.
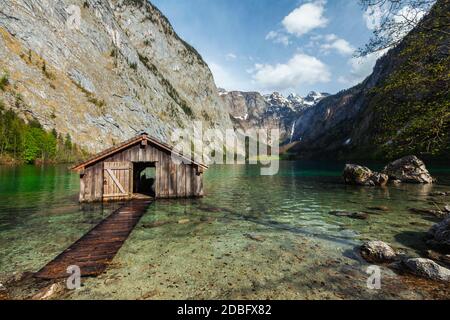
{"x": 403, "y": 107}
{"x": 251, "y": 110}
{"x": 102, "y": 71}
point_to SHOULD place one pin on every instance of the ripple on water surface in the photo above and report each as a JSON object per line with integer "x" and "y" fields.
{"x": 250, "y": 237}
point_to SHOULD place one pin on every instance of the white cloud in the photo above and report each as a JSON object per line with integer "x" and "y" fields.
{"x": 331, "y": 37}
{"x": 305, "y": 18}
{"x": 316, "y": 37}
{"x": 360, "y": 68}
{"x": 410, "y": 15}
{"x": 300, "y": 69}
{"x": 342, "y": 46}
{"x": 374, "y": 17}
{"x": 278, "y": 37}
{"x": 231, "y": 56}
{"x": 222, "y": 78}
{"x": 271, "y": 35}
{"x": 226, "y": 79}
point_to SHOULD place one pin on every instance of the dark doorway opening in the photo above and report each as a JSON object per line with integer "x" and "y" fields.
{"x": 144, "y": 178}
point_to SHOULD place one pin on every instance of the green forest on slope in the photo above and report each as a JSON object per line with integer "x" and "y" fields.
{"x": 30, "y": 143}
{"x": 411, "y": 107}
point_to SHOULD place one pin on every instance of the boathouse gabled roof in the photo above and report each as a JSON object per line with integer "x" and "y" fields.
{"x": 126, "y": 144}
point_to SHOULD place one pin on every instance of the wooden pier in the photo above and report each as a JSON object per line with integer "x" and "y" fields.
{"x": 96, "y": 249}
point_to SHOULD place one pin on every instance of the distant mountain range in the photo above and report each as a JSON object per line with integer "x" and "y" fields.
{"x": 401, "y": 108}
{"x": 252, "y": 110}
{"x": 125, "y": 70}
{"x": 294, "y": 101}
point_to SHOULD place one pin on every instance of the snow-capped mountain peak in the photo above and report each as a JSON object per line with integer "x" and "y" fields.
{"x": 276, "y": 98}
{"x": 294, "y": 101}
{"x": 314, "y": 97}
{"x": 253, "y": 110}
{"x": 294, "y": 97}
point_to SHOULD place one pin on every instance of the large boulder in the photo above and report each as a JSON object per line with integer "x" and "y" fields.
{"x": 408, "y": 169}
{"x": 439, "y": 234}
{"x": 379, "y": 179}
{"x": 427, "y": 268}
{"x": 363, "y": 176}
{"x": 377, "y": 252}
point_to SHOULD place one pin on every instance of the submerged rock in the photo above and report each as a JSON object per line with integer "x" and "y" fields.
{"x": 363, "y": 176}
{"x": 353, "y": 215}
{"x": 379, "y": 208}
{"x": 439, "y": 234}
{"x": 255, "y": 237}
{"x": 377, "y": 252}
{"x": 439, "y": 193}
{"x": 155, "y": 224}
{"x": 432, "y": 212}
{"x": 208, "y": 219}
{"x": 408, "y": 169}
{"x": 427, "y": 268}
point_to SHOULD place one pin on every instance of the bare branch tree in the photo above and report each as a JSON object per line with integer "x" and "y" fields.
{"x": 391, "y": 21}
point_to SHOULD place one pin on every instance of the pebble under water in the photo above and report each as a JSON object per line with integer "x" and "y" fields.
{"x": 250, "y": 237}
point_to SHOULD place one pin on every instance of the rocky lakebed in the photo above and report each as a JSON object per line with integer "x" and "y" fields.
{"x": 303, "y": 234}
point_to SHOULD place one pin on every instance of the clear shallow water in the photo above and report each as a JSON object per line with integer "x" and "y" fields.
{"x": 305, "y": 252}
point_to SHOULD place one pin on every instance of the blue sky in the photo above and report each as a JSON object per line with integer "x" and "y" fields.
{"x": 276, "y": 45}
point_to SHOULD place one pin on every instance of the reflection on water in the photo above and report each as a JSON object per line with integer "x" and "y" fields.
{"x": 252, "y": 236}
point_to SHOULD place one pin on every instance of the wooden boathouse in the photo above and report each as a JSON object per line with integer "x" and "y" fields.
{"x": 140, "y": 168}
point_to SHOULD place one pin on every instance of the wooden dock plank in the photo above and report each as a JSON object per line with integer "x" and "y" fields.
{"x": 96, "y": 249}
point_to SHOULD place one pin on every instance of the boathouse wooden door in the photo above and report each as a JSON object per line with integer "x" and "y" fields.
{"x": 118, "y": 180}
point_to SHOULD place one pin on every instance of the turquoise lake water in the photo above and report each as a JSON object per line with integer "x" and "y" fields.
{"x": 250, "y": 237}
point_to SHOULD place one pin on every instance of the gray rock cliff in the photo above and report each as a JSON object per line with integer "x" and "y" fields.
{"x": 106, "y": 74}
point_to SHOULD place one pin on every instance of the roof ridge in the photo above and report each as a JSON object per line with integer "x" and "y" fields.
{"x": 127, "y": 143}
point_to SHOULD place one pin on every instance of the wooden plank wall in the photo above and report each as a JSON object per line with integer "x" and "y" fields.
{"x": 172, "y": 181}
{"x": 91, "y": 186}
{"x": 123, "y": 173}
